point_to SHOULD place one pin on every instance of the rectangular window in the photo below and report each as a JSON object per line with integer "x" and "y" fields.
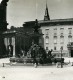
{"x": 55, "y": 31}
{"x": 70, "y": 30}
{"x": 69, "y": 39}
{"x": 47, "y": 40}
{"x": 55, "y": 48}
{"x": 47, "y": 31}
{"x": 61, "y": 40}
{"x": 61, "y": 31}
{"x": 55, "y": 40}
{"x": 55, "y": 34}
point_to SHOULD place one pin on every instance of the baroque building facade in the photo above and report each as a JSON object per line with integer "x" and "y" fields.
{"x": 58, "y": 34}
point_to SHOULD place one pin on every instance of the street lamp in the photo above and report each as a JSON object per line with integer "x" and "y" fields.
{"x": 61, "y": 58}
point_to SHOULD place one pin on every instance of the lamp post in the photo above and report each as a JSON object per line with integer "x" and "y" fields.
{"x": 61, "y": 58}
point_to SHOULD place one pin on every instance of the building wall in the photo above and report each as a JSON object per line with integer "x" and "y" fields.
{"x": 54, "y": 41}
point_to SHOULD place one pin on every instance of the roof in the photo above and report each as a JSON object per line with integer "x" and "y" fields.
{"x": 68, "y": 21}
{"x": 54, "y": 22}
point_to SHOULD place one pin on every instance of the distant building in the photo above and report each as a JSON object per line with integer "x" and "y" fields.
{"x": 18, "y": 39}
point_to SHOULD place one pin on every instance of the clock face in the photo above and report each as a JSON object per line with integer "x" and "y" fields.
{"x": 0, "y": 1}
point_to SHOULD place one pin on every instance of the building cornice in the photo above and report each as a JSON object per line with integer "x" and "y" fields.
{"x": 54, "y": 22}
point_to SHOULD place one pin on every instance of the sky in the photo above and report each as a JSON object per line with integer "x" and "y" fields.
{"x": 20, "y": 11}
{"x": 0, "y": 1}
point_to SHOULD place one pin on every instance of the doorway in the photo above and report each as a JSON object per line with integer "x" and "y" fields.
{"x": 10, "y": 50}
{"x": 71, "y": 53}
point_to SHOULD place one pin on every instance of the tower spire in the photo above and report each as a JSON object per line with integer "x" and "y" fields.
{"x": 46, "y": 16}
